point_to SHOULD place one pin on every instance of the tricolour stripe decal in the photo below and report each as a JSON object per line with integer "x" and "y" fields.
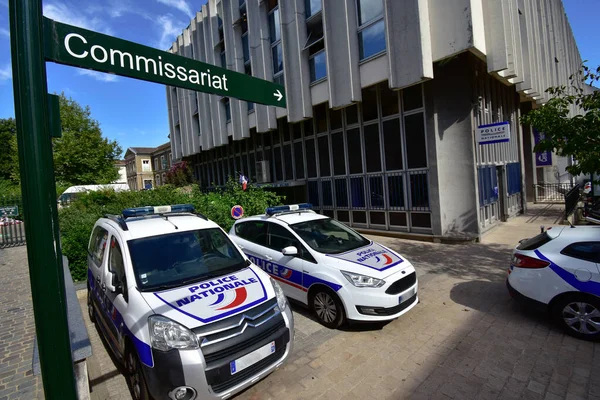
{"x": 587, "y": 287}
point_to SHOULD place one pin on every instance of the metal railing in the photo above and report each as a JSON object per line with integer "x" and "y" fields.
{"x": 571, "y": 199}
{"x": 551, "y": 192}
{"x": 12, "y": 228}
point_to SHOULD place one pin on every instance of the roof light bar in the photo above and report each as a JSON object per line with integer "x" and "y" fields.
{"x": 289, "y": 208}
{"x": 149, "y": 210}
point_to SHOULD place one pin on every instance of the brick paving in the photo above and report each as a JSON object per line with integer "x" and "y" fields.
{"x": 467, "y": 339}
{"x": 17, "y": 328}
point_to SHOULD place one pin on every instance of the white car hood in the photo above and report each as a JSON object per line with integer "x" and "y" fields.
{"x": 373, "y": 260}
{"x": 211, "y": 300}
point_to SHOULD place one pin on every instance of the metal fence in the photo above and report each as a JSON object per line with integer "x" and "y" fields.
{"x": 12, "y": 228}
{"x": 551, "y": 192}
{"x": 571, "y": 200}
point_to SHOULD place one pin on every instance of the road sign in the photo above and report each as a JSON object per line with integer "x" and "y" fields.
{"x": 493, "y": 133}
{"x": 66, "y": 44}
{"x": 9, "y": 211}
{"x": 237, "y": 212}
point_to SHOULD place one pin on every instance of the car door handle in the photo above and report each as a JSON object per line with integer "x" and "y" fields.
{"x": 269, "y": 258}
{"x": 240, "y": 246}
{"x": 103, "y": 287}
{"x": 98, "y": 280}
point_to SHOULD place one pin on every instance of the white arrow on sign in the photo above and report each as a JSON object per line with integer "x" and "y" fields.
{"x": 278, "y": 95}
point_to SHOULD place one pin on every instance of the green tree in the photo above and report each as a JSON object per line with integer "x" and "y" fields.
{"x": 180, "y": 175}
{"x": 577, "y": 136}
{"x": 9, "y": 156}
{"x": 82, "y": 156}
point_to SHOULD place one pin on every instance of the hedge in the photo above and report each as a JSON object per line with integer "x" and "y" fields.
{"x": 78, "y": 219}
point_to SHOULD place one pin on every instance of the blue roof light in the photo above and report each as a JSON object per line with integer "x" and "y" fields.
{"x": 149, "y": 210}
{"x": 289, "y": 208}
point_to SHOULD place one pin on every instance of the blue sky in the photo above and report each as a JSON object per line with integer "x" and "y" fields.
{"x": 134, "y": 112}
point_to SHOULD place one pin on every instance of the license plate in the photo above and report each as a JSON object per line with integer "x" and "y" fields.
{"x": 406, "y": 296}
{"x": 251, "y": 358}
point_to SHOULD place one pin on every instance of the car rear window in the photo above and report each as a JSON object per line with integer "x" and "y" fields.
{"x": 535, "y": 242}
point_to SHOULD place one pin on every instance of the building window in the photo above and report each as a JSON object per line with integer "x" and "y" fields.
{"x": 275, "y": 25}
{"x": 316, "y": 49}
{"x": 277, "y": 58}
{"x": 146, "y": 165}
{"x": 157, "y": 179}
{"x": 156, "y": 164}
{"x": 163, "y": 162}
{"x": 227, "y": 109}
{"x": 147, "y": 183}
{"x": 371, "y": 28}
{"x": 318, "y": 66}
{"x": 223, "y": 59}
{"x": 416, "y": 150}
{"x": 312, "y": 7}
{"x": 276, "y": 49}
{"x": 245, "y": 47}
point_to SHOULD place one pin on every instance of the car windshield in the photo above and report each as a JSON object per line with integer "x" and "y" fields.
{"x": 167, "y": 261}
{"x": 329, "y": 236}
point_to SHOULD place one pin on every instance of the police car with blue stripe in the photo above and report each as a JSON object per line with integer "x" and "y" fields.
{"x": 182, "y": 307}
{"x": 558, "y": 271}
{"x": 339, "y": 274}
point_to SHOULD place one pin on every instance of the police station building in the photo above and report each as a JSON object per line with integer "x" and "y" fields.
{"x": 402, "y": 115}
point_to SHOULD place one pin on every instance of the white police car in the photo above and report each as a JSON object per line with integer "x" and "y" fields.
{"x": 322, "y": 263}
{"x": 182, "y": 307}
{"x": 558, "y": 271}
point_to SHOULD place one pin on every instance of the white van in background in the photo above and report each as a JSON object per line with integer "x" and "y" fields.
{"x": 69, "y": 195}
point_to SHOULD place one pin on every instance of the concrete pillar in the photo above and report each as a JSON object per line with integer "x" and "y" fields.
{"x": 261, "y": 59}
{"x": 295, "y": 62}
{"x": 409, "y": 42}
{"x": 340, "y": 26}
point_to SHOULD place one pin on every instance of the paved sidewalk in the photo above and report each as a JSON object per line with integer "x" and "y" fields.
{"x": 17, "y": 328}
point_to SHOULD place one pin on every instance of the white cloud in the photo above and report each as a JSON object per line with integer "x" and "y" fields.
{"x": 66, "y": 14}
{"x": 99, "y": 76}
{"x": 169, "y": 31}
{"x": 4, "y": 32}
{"x": 5, "y": 73}
{"x": 181, "y": 5}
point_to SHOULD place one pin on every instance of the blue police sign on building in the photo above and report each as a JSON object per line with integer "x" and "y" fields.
{"x": 493, "y": 133}
{"x": 543, "y": 158}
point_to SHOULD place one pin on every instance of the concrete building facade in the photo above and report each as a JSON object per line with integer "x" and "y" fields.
{"x": 147, "y": 167}
{"x": 161, "y": 163}
{"x": 384, "y": 98}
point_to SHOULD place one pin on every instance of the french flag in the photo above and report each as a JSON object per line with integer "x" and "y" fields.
{"x": 243, "y": 181}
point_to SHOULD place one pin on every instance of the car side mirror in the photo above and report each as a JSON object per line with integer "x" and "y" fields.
{"x": 290, "y": 251}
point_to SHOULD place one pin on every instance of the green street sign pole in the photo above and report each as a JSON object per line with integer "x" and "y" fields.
{"x": 39, "y": 199}
{"x": 70, "y": 45}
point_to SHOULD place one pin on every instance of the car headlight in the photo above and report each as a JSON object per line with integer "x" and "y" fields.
{"x": 281, "y": 300}
{"x": 359, "y": 280}
{"x": 166, "y": 334}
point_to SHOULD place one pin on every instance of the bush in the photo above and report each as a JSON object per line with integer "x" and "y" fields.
{"x": 77, "y": 220}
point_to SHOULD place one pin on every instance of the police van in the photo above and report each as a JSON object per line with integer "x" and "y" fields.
{"x": 188, "y": 314}
{"x": 339, "y": 274}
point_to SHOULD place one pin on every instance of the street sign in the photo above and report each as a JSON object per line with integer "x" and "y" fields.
{"x": 237, "y": 212}
{"x": 493, "y": 133}
{"x": 9, "y": 211}
{"x": 66, "y": 44}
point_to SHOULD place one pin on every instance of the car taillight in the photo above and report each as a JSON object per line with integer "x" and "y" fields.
{"x": 522, "y": 261}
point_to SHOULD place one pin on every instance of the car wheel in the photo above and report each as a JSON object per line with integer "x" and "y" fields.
{"x": 135, "y": 376}
{"x": 328, "y": 308}
{"x": 579, "y": 316}
{"x": 90, "y": 306}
